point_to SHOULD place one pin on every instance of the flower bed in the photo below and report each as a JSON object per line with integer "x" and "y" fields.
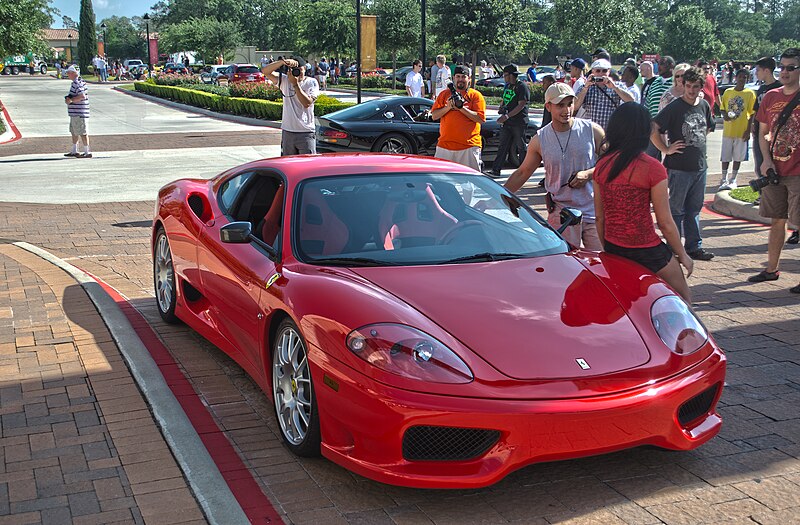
{"x": 248, "y": 107}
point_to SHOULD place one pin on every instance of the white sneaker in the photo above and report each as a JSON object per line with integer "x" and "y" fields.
{"x": 724, "y": 186}
{"x": 732, "y": 185}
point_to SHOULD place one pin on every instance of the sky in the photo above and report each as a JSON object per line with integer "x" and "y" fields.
{"x": 102, "y": 9}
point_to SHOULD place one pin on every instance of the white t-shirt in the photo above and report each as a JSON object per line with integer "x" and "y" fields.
{"x": 414, "y": 81}
{"x": 295, "y": 117}
{"x": 442, "y": 79}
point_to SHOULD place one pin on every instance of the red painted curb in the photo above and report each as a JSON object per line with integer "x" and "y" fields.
{"x": 707, "y": 209}
{"x": 17, "y": 134}
{"x": 244, "y": 487}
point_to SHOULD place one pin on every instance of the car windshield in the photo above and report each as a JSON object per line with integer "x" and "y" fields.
{"x": 247, "y": 69}
{"x": 364, "y": 111}
{"x": 415, "y": 219}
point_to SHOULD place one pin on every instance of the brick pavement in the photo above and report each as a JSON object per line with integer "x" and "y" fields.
{"x": 749, "y": 474}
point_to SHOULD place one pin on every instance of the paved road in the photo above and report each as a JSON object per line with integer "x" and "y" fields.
{"x": 749, "y": 474}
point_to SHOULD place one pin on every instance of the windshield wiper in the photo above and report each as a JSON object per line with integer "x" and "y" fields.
{"x": 484, "y": 257}
{"x": 353, "y": 261}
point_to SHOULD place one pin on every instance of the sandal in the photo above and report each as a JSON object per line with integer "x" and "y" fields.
{"x": 765, "y": 276}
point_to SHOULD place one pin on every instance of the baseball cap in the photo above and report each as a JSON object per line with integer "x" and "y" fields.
{"x": 72, "y": 69}
{"x": 462, "y": 70}
{"x": 558, "y": 92}
{"x": 599, "y": 51}
{"x": 512, "y": 69}
{"x": 601, "y": 63}
{"x": 579, "y": 63}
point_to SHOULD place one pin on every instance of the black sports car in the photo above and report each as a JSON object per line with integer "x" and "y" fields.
{"x": 395, "y": 125}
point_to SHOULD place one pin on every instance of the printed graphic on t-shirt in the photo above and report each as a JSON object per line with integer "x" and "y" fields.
{"x": 787, "y": 139}
{"x": 508, "y": 95}
{"x": 694, "y": 130}
{"x": 735, "y": 107}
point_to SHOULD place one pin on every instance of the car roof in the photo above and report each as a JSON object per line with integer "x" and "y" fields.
{"x": 300, "y": 167}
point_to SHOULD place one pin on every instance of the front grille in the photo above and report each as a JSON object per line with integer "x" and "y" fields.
{"x": 697, "y": 406}
{"x": 426, "y": 443}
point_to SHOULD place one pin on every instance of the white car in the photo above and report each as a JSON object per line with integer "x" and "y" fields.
{"x": 132, "y": 62}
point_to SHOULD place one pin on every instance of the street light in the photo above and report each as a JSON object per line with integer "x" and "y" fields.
{"x": 424, "y": 46}
{"x": 358, "y": 51}
{"x": 69, "y": 35}
{"x": 146, "y": 18}
{"x": 103, "y": 27}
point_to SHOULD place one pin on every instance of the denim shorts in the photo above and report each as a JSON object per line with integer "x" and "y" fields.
{"x": 654, "y": 258}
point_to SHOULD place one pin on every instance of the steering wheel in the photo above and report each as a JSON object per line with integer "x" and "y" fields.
{"x": 450, "y": 234}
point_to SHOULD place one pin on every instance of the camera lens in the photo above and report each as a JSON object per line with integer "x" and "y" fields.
{"x": 296, "y": 71}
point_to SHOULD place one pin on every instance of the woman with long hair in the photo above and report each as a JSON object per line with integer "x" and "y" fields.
{"x": 626, "y": 182}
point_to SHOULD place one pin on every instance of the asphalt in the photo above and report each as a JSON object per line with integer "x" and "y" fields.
{"x": 74, "y": 422}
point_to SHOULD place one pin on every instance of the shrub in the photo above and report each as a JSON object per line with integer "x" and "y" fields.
{"x": 260, "y": 90}
{"x": 170, "y": 79}
{"x": 2, "y": 122}
{"x": 373, "y": 81}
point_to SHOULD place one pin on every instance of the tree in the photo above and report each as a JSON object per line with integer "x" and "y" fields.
{"x": 329, "y": 27}
{"x": 69, "y": 23}
{"x": 688, "y": 35}
{"x": 398, "y": 27}
{"x": 272, "y": 24}
{"x": 473, "y": 25}
{"x": 21, "y": 24}
{"x": 611, "y": 24}
{"x": 87, "y": 35}
{"x": 123, "y": 39}
{"x": 207, "y": 36}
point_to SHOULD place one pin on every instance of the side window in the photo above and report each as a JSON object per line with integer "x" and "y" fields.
{"x": 230, "y": 190}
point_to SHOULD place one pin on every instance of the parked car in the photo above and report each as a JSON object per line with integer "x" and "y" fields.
{"x": 241, "y": 73}
{"x": 396, "y": 125}
{"x": 400, "y": 74}
{"x": 210, "y": 74}
{"x": 417, "y": 323}
{"x": 176, "y": 69}
{"x": 492, "y": 82}
{"x": 132, "y": 62}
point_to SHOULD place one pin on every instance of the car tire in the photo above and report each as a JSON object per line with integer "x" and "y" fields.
{"x": 296, "y": 407}
{"x": 43, "y": 69}
{"x": 14, "y": 70}
{"x": 164, "y": 281}
{"x": 394, "y": 143}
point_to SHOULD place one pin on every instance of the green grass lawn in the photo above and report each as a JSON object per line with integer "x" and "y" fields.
{"x": 744, "y": 194}
{"x": 126, "y": 87}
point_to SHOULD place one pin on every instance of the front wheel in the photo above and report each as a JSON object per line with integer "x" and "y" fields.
{"x": 394, "y": 143}
{"x": 164, "y": 278}
{"x": 293, "y": 392}
{"x": 43, "y": 69}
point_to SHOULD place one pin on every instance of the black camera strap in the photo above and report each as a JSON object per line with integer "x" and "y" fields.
{"x": 783, "y": 118}
{"x": 609, "y": 97}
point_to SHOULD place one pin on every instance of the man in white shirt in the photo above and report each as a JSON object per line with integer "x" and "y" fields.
{"x": 442, "y": 77}
{"x": 299, "y": 90}
{"x": 415, "y": 87}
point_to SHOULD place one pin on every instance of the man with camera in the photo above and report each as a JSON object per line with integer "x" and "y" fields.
{"x": 514, "y": 118}
{"x": 779, "y": 138}
{"x": 461, "y": 111}
{"x": 299, "y": 93}
{"x": 601, "y": 95}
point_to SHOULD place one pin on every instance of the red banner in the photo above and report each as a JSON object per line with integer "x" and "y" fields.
{"x": 153, "y": 51}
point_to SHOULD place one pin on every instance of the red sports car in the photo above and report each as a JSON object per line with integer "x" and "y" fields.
{"x": 418, "y": 324}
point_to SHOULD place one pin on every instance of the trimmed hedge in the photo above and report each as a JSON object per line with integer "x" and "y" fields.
{"x": 2, "y": 122}
{"x": 248, "y": 107}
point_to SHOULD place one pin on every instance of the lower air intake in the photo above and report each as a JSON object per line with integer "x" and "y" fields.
{"x": 697, "y": 406}
{"x": 426, "y": 443}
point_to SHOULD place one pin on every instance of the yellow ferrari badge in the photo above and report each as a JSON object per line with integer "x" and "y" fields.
{"x": 272, "y": 279}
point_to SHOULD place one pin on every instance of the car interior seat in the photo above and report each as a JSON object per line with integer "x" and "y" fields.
{"x": 271, "y": 225}
{"x": 321, "y": 231}
{"x": 413, "y": 217}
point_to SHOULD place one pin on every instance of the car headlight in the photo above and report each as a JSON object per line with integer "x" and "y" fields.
{"x": 677, "y": 326}
{"x": 408, "y": 352}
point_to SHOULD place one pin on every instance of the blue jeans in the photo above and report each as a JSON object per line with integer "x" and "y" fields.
{"x": 686, "y": 192}
{"x": 758, "y": 158}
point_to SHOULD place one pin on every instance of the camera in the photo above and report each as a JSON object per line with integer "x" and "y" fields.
{"x": 762, "y": 182}
{"x": 458, "y": 99}
{"x": 598, "y": 79}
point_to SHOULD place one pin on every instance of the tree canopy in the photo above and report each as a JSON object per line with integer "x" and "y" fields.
{"x": 87, "y": 35}
{"x": 21, "y": 24}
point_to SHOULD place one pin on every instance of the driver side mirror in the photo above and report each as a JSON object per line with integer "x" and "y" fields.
{"x": 569, "y": 217}
{"x": 236, "y": 232}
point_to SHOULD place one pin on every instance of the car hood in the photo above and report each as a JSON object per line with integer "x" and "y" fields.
{"x": 536, "y": 318}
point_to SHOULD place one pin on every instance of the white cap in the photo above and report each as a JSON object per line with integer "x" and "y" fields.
{"x": 72, "y": 69}
{"x": 601, "y": 63}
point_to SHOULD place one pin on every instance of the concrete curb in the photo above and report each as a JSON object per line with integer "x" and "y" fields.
{"x": 201, "y": 111}
{"x": 727, "y": 205}
{"x": 210, "y": 489}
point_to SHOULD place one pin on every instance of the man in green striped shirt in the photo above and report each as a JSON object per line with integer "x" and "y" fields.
{"x": 657, "y": 87}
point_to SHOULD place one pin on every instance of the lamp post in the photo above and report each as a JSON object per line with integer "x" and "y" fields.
{"x": 69, "y": 36}
{"x": 358, "y": 51}
{"x": 146, "y": 18}
{"x": 424, "y": 46}
{"x": 103, "y": 27}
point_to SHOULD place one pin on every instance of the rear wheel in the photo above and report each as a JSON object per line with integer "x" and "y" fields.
{"x": 293, "y": 392}
{"x": 164, "y": 278}
{"x": 14, "y": 70}
{"x": 394, "y": 143}
{"x": 43, "y": 69}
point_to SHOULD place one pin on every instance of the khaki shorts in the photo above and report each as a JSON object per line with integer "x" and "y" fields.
{"x": 77, "y": 126}
{"x": 782, "y": 201}
{"x": 468, "y": 157}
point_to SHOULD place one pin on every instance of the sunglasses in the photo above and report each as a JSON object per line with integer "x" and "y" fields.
{"x": 678, "y": 76}
{"x": 790, "y": 68}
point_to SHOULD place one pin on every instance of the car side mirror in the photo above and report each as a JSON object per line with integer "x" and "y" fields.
{"x": 236, "y": 232}
{"x": 569, "y": 217}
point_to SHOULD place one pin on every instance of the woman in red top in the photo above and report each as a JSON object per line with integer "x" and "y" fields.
{"x": 626, "y": 182}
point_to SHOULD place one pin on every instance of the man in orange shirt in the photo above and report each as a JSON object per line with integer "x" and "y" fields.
{"x": 460, "y": 127}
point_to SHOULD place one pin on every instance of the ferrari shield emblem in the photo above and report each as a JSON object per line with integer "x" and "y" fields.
{"x": 583, "y": 364}
{"x": 272, "y": 279}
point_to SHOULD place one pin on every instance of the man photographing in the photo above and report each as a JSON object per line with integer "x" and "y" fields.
{"x": 299, "y": 93}
{"x": 461, "y": 110}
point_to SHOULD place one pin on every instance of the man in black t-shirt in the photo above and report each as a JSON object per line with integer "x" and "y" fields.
{"x": 686, "y": 121}
{"x": 514, "y": 118}
{"x": 765, "y": 73}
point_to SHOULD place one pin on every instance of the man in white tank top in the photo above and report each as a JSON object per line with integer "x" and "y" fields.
{"x": 569, "y": 148}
